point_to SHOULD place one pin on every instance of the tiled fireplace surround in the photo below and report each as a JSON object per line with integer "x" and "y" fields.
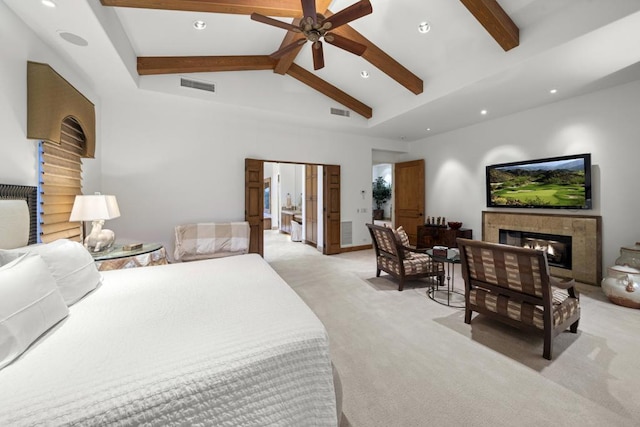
{"x": 585, "y": 232}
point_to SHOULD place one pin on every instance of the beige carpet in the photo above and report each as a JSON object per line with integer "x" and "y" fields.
{"x": 405, "y": 360}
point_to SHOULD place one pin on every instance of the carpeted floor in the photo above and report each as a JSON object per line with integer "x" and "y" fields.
{"x": 405, "y": 360}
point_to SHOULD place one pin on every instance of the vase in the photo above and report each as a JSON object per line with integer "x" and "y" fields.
{"x": 622, "y": 285}
{"x": 629, "y": 256}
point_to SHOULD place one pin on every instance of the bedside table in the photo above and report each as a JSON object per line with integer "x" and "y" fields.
{"x": 149, "y": 254}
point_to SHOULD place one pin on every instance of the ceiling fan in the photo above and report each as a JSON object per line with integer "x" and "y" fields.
{"x": 315, "y": 27}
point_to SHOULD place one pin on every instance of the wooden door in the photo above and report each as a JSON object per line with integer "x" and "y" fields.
{"x": 331, "y": 199}
{"x": 254, "y": 203}
{"x": 408, "y": 199}
{"x": 311, "y": 204}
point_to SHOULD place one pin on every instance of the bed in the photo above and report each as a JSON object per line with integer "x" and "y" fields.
{"x": 214, "y": 342}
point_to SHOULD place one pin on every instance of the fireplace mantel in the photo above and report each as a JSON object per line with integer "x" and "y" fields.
{"x": 584, "y": 230}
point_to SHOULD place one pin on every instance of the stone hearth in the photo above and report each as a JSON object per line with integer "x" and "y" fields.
{"x": 585, "y": 232}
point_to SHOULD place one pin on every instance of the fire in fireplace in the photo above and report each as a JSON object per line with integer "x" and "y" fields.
{"x": 558, "y": 247}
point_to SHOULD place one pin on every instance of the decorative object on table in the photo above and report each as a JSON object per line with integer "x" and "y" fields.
{"x": 629, "y": 256}
{"x": 622, "y": 284}
{"x": 381, "y": 193}
{"x": 436, "y": 221}
{"x": 440, "y": 251}
{"x": 288, "y": 200}
{"x": 454, "y": 225}
{"x": 132, "y": 247}
{"x": 96, "y": 208}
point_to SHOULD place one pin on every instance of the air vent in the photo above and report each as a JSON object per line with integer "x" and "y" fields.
{"x": 339, "y": 112}
{"x": 346, "y": 230}
{"x": 200, "y": 85}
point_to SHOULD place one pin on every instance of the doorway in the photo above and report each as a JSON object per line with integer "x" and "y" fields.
{"x": 296, "y": 196}
{"x": 293, "y": 204}
{"x": 382, "y": 207}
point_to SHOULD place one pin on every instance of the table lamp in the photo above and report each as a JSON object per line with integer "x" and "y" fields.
{"x": 96, "y": 208}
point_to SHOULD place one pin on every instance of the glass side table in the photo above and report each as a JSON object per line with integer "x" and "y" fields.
{"x": 116, "y": 258}
{"x": 452, "y": 258}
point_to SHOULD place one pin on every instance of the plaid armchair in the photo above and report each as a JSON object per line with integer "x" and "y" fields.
{"x": 395, "y": 256}
{"x": 513, "y": 285}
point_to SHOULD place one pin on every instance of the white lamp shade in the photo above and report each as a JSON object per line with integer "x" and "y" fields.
{"x": 94, "y": 207}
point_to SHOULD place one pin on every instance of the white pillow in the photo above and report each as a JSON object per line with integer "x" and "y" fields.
{"x": 30, "y": 304}
{"x": 71, "y": 265}
{"x": 7, "y": 256}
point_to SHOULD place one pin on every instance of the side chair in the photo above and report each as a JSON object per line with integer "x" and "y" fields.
{"x": 396, "y": 257}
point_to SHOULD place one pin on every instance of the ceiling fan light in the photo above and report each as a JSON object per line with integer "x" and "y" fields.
{"x": 199, "y": 25}
{"x": 424, "y": 27}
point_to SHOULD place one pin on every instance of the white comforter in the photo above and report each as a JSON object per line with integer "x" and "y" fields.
{"x": 220, "y": 342}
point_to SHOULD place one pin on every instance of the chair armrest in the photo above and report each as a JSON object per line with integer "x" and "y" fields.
{"x": 415, "y": 249}
{"x": 562, "y": 283}
{"x": 567, "y": 284}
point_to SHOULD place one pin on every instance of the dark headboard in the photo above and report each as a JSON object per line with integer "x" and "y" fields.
{"x": 28, "y": 193}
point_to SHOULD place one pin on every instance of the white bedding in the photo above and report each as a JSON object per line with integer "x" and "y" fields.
{"x": 217, "y": 342}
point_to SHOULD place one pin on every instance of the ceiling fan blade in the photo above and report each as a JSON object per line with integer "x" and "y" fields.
{"x": 345, "y": 43}
{"x": 274, "y": 22}
{"x": 288, "y": 48}
{"x": 309, "y": 10}
{"x": 348, "y": 14}
{"x": 318, "y": 55}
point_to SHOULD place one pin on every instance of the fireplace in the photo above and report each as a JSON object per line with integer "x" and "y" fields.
{"x": 585, "y": 232}
{"x": 557, "y": 247}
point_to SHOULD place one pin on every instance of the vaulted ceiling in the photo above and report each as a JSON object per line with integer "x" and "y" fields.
{"x": 488, "y": 12}
{"x": 500, "y": 56}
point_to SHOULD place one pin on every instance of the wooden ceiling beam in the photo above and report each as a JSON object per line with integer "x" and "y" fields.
{"x": 496, "y": 21}
{"x": 310, "y": 79}
{"x": 283, "y": 63}
{"x": 148, "y": 65}
{"x": 385, "y": 63}
{"x": 288, "y": 8}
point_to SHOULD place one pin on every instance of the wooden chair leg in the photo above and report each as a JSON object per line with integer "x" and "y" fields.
{"x": 378, "y": 272}
{"x": 467, "y": 316}
{"x": 548, "y": 345}
{"x": 574, "y": 327}
{"x": 401, "y": 286}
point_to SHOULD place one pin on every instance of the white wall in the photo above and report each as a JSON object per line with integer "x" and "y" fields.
{"x": 171, "y": 160}
{"x": 18, "y": 155}
{"x": 605, "y": 124}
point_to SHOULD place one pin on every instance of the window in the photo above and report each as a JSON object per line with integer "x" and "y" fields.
{"x": 60, "y": 181}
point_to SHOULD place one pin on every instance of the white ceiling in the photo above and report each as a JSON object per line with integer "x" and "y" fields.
{"x": 574, "y": 46}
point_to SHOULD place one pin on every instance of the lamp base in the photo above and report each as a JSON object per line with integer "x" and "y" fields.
{"x": 99, "y": 240}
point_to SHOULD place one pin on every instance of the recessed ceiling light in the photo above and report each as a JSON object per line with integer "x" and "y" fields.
{"x": 428, "y": 129}
{"x": 424, "y": 27}
{"x": 48, "y": 3}
{"x": 484, "y": 112}
{"x": 553, "y": 91}
{"x": 364, "y": 74}
{"x": 199, "y": 25}
{"x": 73, "y": 38}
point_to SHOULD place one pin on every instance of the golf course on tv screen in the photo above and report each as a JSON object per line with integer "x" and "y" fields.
{"x": 561, "y": 182}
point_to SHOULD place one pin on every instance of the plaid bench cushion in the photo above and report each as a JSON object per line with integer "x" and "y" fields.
{"x": 563, "y": 307}
{"x": 210, "y": 240}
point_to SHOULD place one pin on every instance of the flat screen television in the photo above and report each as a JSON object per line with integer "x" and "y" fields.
{"x": 554, "y": 182}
